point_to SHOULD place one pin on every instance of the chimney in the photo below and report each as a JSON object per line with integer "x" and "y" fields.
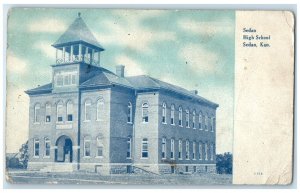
{"x": 120, "y": 70}
{"x": 194, "y": 92}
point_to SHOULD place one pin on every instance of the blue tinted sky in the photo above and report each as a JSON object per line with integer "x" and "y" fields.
{"x": 193, "y": 49}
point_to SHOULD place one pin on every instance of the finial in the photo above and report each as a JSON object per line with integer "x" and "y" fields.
{"x": 79, "y": 14}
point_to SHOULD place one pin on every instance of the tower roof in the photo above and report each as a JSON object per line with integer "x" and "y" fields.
{"x": 78, "y": 32}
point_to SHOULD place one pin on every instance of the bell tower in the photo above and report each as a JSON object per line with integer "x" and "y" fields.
{"x": 78, "y": 44}
{"x": 77, "y": 56}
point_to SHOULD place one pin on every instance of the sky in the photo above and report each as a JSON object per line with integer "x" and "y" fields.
{"x": 190, "y": 48}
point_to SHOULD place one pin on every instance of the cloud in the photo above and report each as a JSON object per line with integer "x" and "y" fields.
{"x": 132, "y": 68}
{"x": 46, "y": 48}
{"x": 15, "y": 64}
{"x": 47, "y": 26}
{"x": 131, "y": 34}
{"x": 208, "y": 29}
{"x": 199, "y": 59}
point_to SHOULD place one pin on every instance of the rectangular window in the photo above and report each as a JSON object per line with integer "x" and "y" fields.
{"x": 99, "y": 148}
{"x": 186, "y": 168}
{"x": 180, "y": 117}
{"x": 172, "y": 148}
{"x": 73, "y": 79}
{"x": 128, "y": 148}
{"x": 163, "y": 148}
{"x": 70, "y": 117}
{"x": 36, "y": 148}
{"x": 87, "y": 148}
{"x": 48, "y": 118}
{"x": 99, "y": 151}
{"x": 194, "y": 150}
{"x": 67, "y": 80}
{"x": 145, "y": 148}
{"x": 213, "y": 124}
{"x": 212, "y": 152}
{"x": 200, "y": 151}
{"x": 179, "y": 149}
{"x": 195, "y": 169}
{"x": 200, "y": 121}
{"x": 47, "y": 147}
{"x": 59, "y": 80}
{"x": 187, "y": 150}
{"x": 206, "y": 151}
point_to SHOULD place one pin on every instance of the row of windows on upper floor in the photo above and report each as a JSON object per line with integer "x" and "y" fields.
{"x": 201, "y": 151}
{"x": 204, "y": 121}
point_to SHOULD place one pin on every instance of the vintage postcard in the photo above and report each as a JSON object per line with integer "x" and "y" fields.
{"x": 149, "y": 97}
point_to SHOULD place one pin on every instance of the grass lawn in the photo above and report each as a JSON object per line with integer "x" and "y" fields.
{"x": 25, "y": 177}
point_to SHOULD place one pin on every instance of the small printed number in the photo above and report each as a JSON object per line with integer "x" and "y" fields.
{"x": 258, "y": 173}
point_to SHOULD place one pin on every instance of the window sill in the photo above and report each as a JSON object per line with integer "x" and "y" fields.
{"x": 128, "y": 158}
{"x": 180, "y": 126}
{"x": 173, "y": 124}
{"x": 194, "y": 128}
{"x": 36, "y": 123}
{"x": 164, "y": 158}
{"x": 164, "y": 123}
{"x": 36, "y": 157}
{"x": 187, "y": 127}
{"x": 86, "y": 157}
{"x": 180, "y": 159}
{"x": 59, "y": 122}
{"x": 69, "y": 121}
{"x": 99, "y": 157}
{"x": 129, "y": 123}
{"x": 47, "y": 123}
{"x": 46, "y": 157}
{"x": 144, "y": 158}
{"x": 86, "y": 121}
{"x": 145, "y": 122}
{"x": 172, "y": 158}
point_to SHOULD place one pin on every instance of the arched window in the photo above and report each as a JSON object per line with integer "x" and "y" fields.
{"x": 129, "y": 113}
{"x": 37, "y": 109}
{"x": 206, "y": 151}
{"x": 145, "y": 148}
{"x": 59, "y": 111}
{"x": 194, "y": 150}
{"x": 99, "y": 109}
{"x": 87, "y": 147}
{"x": 87, "y": 110}
{"x": 200, "y": 120}
{"x": 69, "y": 111}
{"x": 47, "y": 147}
{"x": 172, "y": 148}
{"x": 200, "y": 151}
{"x": 145, "y": 112}
{"x": 179, "y": 149}
{"x": 187, "y": 118}
{"x": 187, "y": 149}
{"x": 172, "y": 114}
{"x": 180, "y": 117}
{"x": 36, "y": 147}
{"x": 99, "y": 147}
{"x": 129, "y": 143}
{"x": 48, "y": 113}
{"x": 163, "y": 148}
{"x": 194, "y": 119}
{"x": 164, "y": 112}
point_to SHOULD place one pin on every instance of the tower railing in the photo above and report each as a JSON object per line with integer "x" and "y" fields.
{"x": 77, "y": 58}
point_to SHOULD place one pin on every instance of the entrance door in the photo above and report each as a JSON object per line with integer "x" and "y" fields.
{"x": 64, "y": 151}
